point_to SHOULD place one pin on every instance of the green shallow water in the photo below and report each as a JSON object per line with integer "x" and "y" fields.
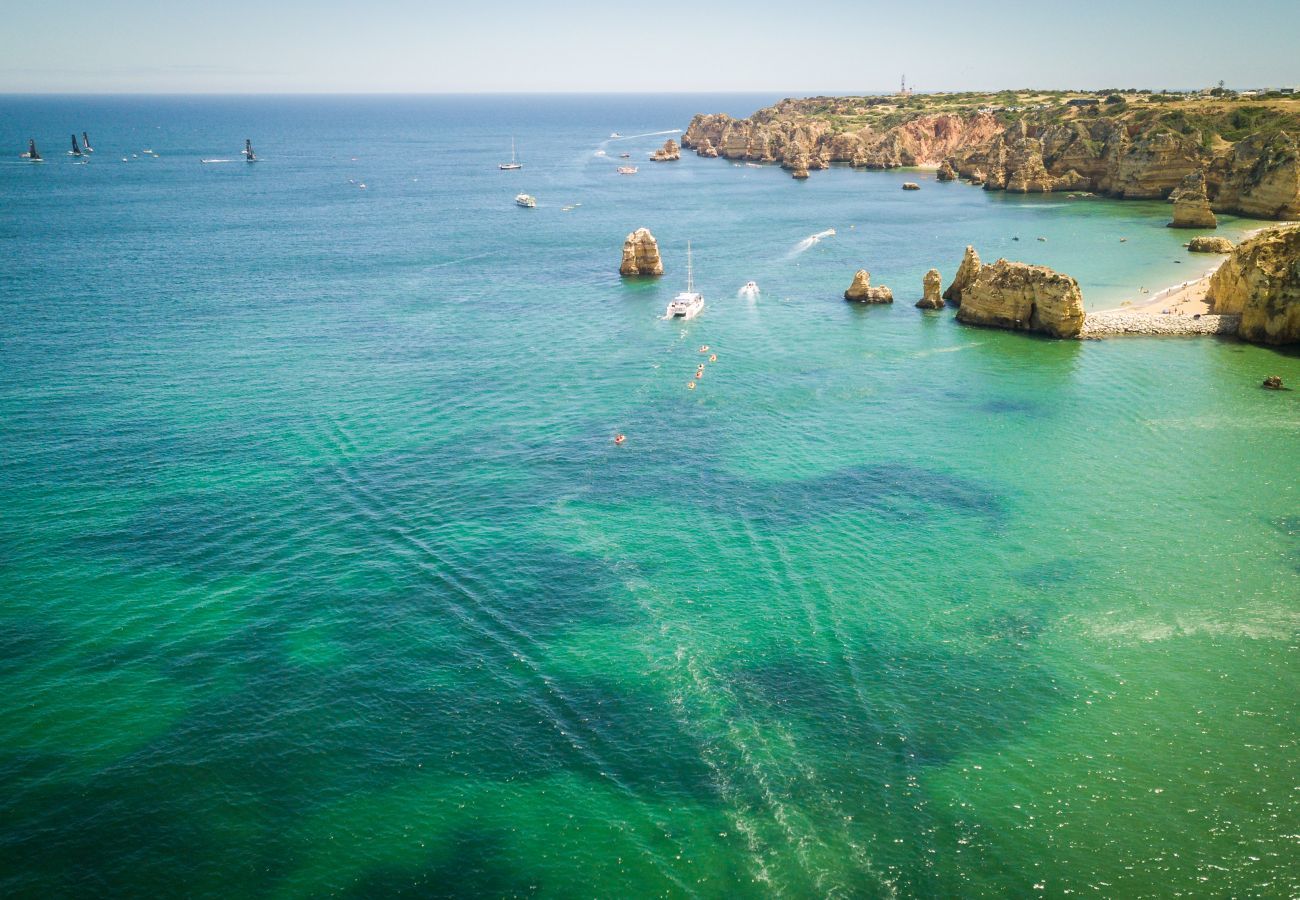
{"x": 324, "y": 576}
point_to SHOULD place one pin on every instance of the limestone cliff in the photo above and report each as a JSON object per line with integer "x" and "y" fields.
{"x": 862, "y": 291}
{"x": 1142, "y": 151}
{"x": 966, "y": 274}
{"x": 1260, "y": 280}
{"x": 930, "y": 286}
{"x": 1192, "y": 204}
{"x": 641, "y": 254}
{"x": 1024, "y": 298}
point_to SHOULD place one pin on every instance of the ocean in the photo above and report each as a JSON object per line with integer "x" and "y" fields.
{"x": 323, "y": 575}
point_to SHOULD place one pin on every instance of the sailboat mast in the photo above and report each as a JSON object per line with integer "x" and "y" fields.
{"x": 512, "y": 148}
{"x": 690, "y": 275}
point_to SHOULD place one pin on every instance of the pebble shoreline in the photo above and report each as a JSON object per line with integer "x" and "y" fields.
{"x": 1118, "y": 322}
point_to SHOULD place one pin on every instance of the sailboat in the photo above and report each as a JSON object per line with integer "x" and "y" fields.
{"x": 248, "y": 150}
{"x": 514, "y": 163}
{"x": 688, "y": 303}
{"x": 85, "y": 143}
{"x": 32, "y": 153}
{"x": 75, "y": 151}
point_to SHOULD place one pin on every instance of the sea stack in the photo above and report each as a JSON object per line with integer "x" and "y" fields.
{"x": 1260, "y": 280}
{"x": 862, "y": 291}
{"x": 1022, "y": 297}
{"x": 668, "y": 152}
{"x": 641, "y": 255}
{"x": 1205, "y": 244}
{"x": 966, "y": 274}
{"x": 911, "y": 186}
{"x": 946, "y": 172}
{"x": 930, "y": 286}
{"x": 1192, "y": 204}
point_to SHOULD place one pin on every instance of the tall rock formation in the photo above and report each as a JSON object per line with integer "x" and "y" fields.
{"x": 1023, "y": 298}
{"x": 930, "y": 286}
{"x": 966, "y": 273}
{"x": 668, "y": 152}
{"x": 1260, "y": 280}
{"x": 641, "y": 255}
{"x": 946, "y": 172}
{"x": 862, "y": 291}
{"x": 1192, "y": 204}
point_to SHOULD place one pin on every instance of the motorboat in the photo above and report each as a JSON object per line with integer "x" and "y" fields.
{"x": 689, "y": 303}
{"x": 750, "y": 288}
{"x": 526, "y": 200}
{"x": 615, "y": 135}
{"x": 625, "y": 156}
{"x": 627, "y": 170}
{"x": 514, "y": 162}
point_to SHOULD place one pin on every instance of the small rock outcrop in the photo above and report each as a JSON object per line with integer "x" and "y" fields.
{"x": 1261, "y": 281}
{"x": 1192, "y": 204}
{"x": 946, "y": 172}
{"x": 911, "y": 186}
{"x": 1273, "y": 383}
{"x": 930, "y": 286}
{"x": 1204, "y": 244}
{"x": 966, "y": 273}
{"x": 1022, "y": 297}
{"x": 706, "y": 149}
{"x": 862, "y": 291}
{"x": 641, "y": 255}
{"x": 668, "y": 152}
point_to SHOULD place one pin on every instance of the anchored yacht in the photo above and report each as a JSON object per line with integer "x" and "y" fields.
{"x": 514, "y": 163}
{"x": 688, "y": 303}
{"x": 627, "y": 170}
{"x": 527, "y": 200}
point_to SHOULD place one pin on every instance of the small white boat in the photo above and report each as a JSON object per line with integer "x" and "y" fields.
{"x": 615, "y": 135}
{"x": 627, "y": 170}
{"x": 689, "y": 303}
{"x": 750, "y": 288}
{"x": 526, "y": 200}
{"x": 600, "y": 153}
{"x": 514, "y": 163}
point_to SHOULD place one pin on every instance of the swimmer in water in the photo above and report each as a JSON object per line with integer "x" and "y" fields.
{"x": 690, "y": 385}
{"x": 713, "y": 358}
{"x": 704, "y": 348}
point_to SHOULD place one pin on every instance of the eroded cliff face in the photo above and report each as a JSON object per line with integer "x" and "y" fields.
{"x": 967, "y": 272}
{"x": 1260, "y": 280}
{"x": 1022, "y": 297}
{"x": 1258, "y": 176}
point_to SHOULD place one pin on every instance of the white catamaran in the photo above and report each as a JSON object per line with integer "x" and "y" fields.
{"x": 688, "y": 303}
{"x": 514, "y": 163}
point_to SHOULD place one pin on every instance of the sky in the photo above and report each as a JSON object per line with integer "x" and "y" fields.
{"x": 831, "y": 46}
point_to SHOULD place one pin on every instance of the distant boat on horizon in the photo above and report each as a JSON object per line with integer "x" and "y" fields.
{"x": 514, "y": 162}
{"x": 75, "y": 151}
{"x": 248, "y": 150}
{"x": 85, "y": 143}
{"x": 32, "y": 153}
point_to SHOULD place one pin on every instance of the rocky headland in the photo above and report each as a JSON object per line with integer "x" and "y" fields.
{"x": 1242, "y": 155}
{"x": 1022, "y": 297}
{"x": 1260, "y": 281}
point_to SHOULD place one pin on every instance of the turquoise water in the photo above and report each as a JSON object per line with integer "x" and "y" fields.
{"x": 322, "y": 574}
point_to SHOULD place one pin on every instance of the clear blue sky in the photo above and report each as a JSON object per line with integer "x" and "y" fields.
{"x": 645, "y": 45}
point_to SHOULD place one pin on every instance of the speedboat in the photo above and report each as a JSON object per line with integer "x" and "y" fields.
{"x": 526, "y": 200}
{"x": 750, "y": 288}
{"x": 689, "y": 303}
{"x": 615, "y": 135}
{"x": 627, "y": 170}
{"x": 625, "y": 156}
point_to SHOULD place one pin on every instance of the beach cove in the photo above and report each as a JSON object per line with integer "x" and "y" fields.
{"x": 326, "y": 576}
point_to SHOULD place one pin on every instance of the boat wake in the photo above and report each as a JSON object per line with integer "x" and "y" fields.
{"x": 209, "y": 161}
{"x": 811, "y": 241}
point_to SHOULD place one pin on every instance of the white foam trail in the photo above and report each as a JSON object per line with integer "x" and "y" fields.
{"x": 630, "y": 137}
{"x": 811, "y": 240}
{"x": 217, "y": 160}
